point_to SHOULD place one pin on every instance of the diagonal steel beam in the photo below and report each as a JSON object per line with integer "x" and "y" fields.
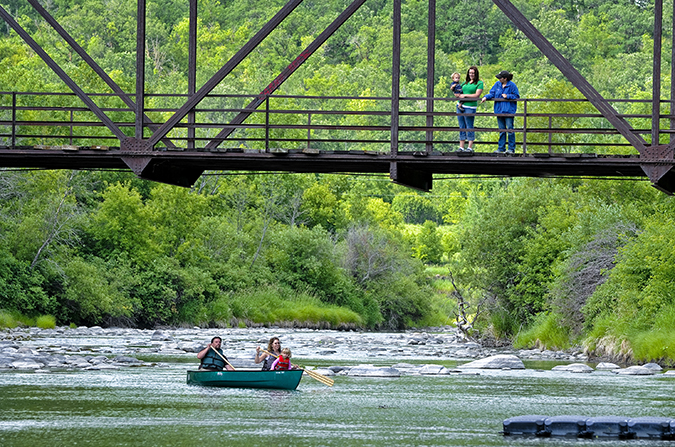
{"x": 311, "y": 48}
{"x": 62, "y": 74}
{"x": 571, "y": 73}
{"x": 92, "y": 63}
{"x": 224, "y": 71}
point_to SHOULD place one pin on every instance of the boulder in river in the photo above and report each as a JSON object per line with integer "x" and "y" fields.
{"x": 26, "y": 364}
{"x": 125, "y": 359}
{"x": 635, "y": 371}
{"x": 653, "y": 366}
{"x": 501, "y": 361}
{"x": 606, "y": 366}
{"x": 433, "y": 370}
{"x": 574, "y": 367}
{"x": 373, "y": 371}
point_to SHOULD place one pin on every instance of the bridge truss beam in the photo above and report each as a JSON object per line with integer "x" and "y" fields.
{"x": 139, "y": 153}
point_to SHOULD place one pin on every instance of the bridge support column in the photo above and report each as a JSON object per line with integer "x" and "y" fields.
{"x": 412, "y": 178}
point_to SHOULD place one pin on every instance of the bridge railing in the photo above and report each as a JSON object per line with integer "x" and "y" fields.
{"x": 328, "y": 123}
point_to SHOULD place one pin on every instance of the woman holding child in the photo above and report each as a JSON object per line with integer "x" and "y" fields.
{"x": 472, "y": 88}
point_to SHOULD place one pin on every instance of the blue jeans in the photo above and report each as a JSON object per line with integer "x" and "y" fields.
{"x": 506, "y": 122}
{"x": 465, "y": 119}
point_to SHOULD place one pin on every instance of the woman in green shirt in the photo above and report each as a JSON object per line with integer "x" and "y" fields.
{"x": 471, "y": 89}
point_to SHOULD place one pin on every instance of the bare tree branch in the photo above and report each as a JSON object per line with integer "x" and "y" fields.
{"x": 465, "y": 323}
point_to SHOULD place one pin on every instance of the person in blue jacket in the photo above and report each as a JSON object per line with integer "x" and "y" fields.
{"x": 505, "y": 90}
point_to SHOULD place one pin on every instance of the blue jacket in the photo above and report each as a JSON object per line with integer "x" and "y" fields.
{"x": 511, "y": 93}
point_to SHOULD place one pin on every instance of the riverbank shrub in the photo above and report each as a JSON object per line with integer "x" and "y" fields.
{"x": 655, "y": 346}
{"x": 12, "y": 319}
{"x": 45, "y": 322}
{"x": 273, "y": 305}
{"x": 545, "y": 332}
{"x": 7, "y": 321}
{"x": 635, "y": 307}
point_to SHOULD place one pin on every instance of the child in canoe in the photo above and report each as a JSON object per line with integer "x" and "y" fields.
{"x": 283, "y": 362}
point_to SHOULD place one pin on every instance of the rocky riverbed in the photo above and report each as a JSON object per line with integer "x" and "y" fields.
{"x": 350, "y": 353}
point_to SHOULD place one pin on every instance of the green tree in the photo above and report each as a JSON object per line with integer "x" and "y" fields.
{"x": 429, "y": 247}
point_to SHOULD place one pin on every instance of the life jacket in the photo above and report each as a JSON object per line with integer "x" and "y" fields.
{"x": 212, "y": 361}
{"x": 267, "y": 363}
{"x": 283, "y": 363}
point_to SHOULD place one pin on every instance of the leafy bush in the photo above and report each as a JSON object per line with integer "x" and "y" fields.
{"x": 429, "y": 246}
{"x": 21, "y": 288}
{"x": 416, "y": 208}
{"x": 219, "y": 311}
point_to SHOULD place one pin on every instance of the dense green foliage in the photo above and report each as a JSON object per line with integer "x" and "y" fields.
{"x": 96, "y": 248}
{"x": 560, "y": 262}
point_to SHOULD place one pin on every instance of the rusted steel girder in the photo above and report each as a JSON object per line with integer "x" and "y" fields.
{"x": 92, "y": 64}
{"x": 286, "y": 73}
{"x": 571, "y": 73}
{"x": 62, "y": 74}
{"x": 661, "y": 156}
{"x": 192, "y": 69}
{"x": 224, "y": 71}
{"x": 431, "y": 73}
{"x": 140, "y": 68}
{"x": 660, "y": 174}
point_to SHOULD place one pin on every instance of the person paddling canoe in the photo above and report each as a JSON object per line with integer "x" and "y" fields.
{"x": 212, "y": 357}
{"x": 274, "y": 347}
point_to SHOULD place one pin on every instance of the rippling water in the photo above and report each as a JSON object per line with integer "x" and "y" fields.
{"x": 154, "y": 406}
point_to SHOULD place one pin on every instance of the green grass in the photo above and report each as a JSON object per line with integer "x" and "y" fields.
{"x": 433, "y": 270}
{"x": 46, "y": 322}
{"x": 7, "y": 321}
{"x": 12, "y": 319}
{"x": 654, "y": 346}
{"x": 273, "y": 305}
{"x": 546, "y": 332}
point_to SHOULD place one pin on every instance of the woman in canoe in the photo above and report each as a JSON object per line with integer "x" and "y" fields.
{"x": 274, "y": 346}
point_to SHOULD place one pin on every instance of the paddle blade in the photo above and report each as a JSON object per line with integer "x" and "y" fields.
{"x": 320, "y": 377}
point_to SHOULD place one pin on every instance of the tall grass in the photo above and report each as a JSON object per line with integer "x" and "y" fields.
{"x": 12, "y": 319}
{"x": 277, "y": 305}
{"x": 7, "y": 321}
{"x": 46, "y": 322}
{"x": 654, "y": 346}
{"x": 545, "y": 332}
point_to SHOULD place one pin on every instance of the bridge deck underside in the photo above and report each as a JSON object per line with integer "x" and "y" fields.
{"x": 531, "y": 165}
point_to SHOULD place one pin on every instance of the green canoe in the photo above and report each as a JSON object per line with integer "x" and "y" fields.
{"x": 274, "y": 380}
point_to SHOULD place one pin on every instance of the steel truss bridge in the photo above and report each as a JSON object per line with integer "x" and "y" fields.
{"x": 411, "y": 139}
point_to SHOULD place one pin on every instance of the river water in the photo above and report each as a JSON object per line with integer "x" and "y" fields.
{"x": 153, "y": 406}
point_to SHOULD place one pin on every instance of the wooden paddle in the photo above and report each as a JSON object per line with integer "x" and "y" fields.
{"x": 313, "y": 374}
{"x": 224, "y": 359}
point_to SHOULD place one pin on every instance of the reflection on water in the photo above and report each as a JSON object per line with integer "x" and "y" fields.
{"x": 154, "y": 406}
